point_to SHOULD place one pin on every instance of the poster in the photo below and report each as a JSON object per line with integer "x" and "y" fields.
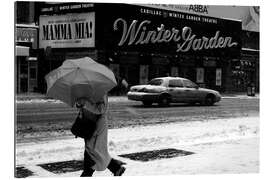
{"x": 143, "y": 74}
{"x": 174, "y": 71}
{"x": 249, "y": 15}
{"x": 200, "y": 75}
{"x": 218, "y": 77}
{"x": 66, "y": 31}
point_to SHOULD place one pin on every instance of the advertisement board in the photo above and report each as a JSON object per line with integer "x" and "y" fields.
{"x": 67, "y": 31}
{"x": 249, "y": 15}
{"x": 27, "y": 35}
{"x": 152, "y": 30}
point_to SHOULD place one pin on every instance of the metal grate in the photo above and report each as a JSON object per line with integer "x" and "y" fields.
{"x": 156, "y": 154}
{"x": 63, "y": 167}
{"x": 22, "y": 172}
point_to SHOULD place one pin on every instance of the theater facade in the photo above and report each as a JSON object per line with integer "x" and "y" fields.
{"x": 140, "y": 43}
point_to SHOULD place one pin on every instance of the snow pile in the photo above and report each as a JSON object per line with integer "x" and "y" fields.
{"x": 43, "y": 100}
{"x": 136, "y": 139}
{"x": 185, "y": 133}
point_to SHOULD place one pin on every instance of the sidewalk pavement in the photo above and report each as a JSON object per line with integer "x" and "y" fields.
{"x": 220, "y": 146}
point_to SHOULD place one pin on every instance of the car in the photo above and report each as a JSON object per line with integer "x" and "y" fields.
{"x": 166, "y": 90}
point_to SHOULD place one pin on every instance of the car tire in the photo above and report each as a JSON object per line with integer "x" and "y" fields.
{"x": 164, "y": 100}
{"x": 147, "y": 103}
{"x": 209, "y": 100}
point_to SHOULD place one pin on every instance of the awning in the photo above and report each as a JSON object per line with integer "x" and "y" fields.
{"x": 22, "y": 51}
{"x": 32, "y": 58}
{"x": 249, "y": 49}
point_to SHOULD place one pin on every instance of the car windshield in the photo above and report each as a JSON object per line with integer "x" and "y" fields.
{"x": 155, "y": 82}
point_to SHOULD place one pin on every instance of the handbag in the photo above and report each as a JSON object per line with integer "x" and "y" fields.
{"x": 85, "y": 124}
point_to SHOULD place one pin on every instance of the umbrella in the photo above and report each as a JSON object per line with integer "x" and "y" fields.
{"x": 77, "y": 78}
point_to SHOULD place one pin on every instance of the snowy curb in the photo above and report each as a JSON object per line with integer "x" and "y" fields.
{"x": 117, "y": 99}
{"x": 42, "y": 100}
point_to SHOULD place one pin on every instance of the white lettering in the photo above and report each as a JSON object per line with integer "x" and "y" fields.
{"x": 185, "y": 39}
{"x": 198, "y": 9}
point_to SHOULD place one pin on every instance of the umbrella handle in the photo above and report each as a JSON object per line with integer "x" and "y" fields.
{"x": 80, "y": 113}
{"x": 78, "y": 105}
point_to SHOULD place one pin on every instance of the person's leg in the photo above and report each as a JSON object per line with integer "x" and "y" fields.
{"x": 87, "y": 165}
{"x": 116, "y": 167}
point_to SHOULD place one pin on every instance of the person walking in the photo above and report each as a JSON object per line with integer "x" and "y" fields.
{"x": 96, "y": 155}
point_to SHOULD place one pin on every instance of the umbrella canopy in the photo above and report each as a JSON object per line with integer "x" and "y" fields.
{"x": 77, "y": 78}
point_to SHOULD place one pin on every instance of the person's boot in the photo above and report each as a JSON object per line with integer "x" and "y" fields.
{"x": 120, "y": 171}
{"x": 87, "y": 164}
{"x": 87, "y": 173}
{"x": 115, "y": 166}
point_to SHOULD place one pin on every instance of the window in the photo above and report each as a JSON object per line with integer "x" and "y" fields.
{"x": 189, "y": 84}
{"x": 33, "y": 73}
{"x": 155, "y": 82}
{"x": 175, "y": 83}
{"x": 143, "y": 74}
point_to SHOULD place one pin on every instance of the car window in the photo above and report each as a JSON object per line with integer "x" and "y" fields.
{"x": 175, "y": 83}
{"x": 189, "y": 84}
{"x": 155, "y": 82}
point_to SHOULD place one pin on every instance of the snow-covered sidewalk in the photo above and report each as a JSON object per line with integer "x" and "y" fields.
{"x": 219, "y": 146}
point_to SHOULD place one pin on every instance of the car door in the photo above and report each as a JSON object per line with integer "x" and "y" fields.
{"x": 175, "y": 89}
{"x": 191, "y": 90}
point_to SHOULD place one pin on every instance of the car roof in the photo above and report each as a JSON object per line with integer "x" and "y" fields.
{"x": 170, "y": 78}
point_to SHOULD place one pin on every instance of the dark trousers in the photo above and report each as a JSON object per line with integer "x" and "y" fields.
{"x": 113, "y": 166}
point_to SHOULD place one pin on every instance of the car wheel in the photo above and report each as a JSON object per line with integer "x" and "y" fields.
{"x": 164, "y": 100}
{"x": 209, "y": 100}
{"x": 147, "y": 103}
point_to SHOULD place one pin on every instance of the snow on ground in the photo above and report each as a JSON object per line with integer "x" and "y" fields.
{"x": 55, "y": 101}
{"x": 230, "y": 157}
{"x": 112, "y": 99}
{"x": 33, "y": 101}
{"x": 220, "y": 146}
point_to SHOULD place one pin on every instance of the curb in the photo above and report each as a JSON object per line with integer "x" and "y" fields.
{"x": 44, "y": 97}
{"x": 21, "y": 99}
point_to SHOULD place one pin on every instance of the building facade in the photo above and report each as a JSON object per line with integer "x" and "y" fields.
{"x": 142, "y": 42}
{"x": 26, "y": 47}
{"x": 246, "y": 68}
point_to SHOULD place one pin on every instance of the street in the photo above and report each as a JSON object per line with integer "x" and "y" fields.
{"x": 180, "y": 139}
{"x": 53, "y": 119}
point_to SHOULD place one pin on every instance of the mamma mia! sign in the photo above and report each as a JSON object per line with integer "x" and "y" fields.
{"x": 67, "y": 31}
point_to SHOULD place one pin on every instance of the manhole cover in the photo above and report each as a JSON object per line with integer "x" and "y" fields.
{"x": 156, "y": 154}
{"x": 63, "y": 167}
{"x": 22, "y": 172}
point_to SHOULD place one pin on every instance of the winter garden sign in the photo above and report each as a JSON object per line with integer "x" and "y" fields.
{"x": 137, "y": 33}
